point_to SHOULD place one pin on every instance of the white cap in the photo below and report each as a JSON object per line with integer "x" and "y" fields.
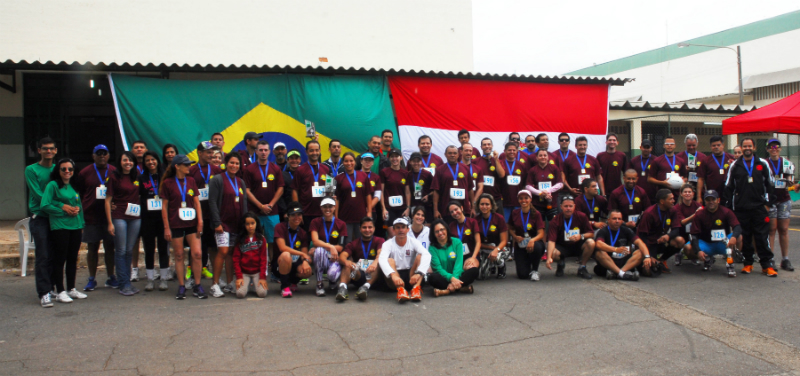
{"x": 327, "y": 201}
{"x": 401, "y": 221}
{"x": 524, "y": 192}
{"x": 277, "y": 145}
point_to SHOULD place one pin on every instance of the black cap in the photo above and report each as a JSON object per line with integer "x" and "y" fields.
{"x": 567, "y": 197}
{"x": 250, "y": 135}
{"x": 415, "y": 155}
{"x": 647, "y": 142}
{"x": 294, "y": 210}
{"x": 206, "y": 145}
{"x": 395, "y": 151}
{"x": 711, "y": 193}
{"x": 181, "y": 159}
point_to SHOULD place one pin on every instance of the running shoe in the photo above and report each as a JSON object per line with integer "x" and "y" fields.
{"x": 535, "y": 275}
{"x": 402, "y": 295}
{"x": 62, "y": 297}
{"x": 75, "y": 294}
{"x": 341, "y": 295}
{"x": 320, "y": 289}
{"x": 731, "y": 271}
{"x": 747, "y": 269}
{"x": 416, "y": 294}
{"x": 198, "y": 292}
{"x": 707, "y": 264}
{"x": 92, "y": 284}
{"x": 112, "y": 282}
{"x": 583, "y": 273}
{"x": 150, "y": 286}
{"x": 629, "y": 276}
{"x": 560, "y": 268}
{"x": 679, "y": 259}
{"x": 162, "y": 285}
{"x": 293, "y": 287}
{"x": 188, "y": 272}
{"x": 217, "y": 292}
{"x": 610, "y": 275}
{"x": 769, "y": 272}
{"x": 229, "y": 288}
{"x": 286, "y": 293}
{"x": 126, "y": 291}
{"x": 787, "y": 265}
{"x": 501, "y": 272}
{"x": 274, "y": 278}
{"x": 46, "y": 302}
{"x": 207, "y": 274}
{"x": 134, "y": 274}
{"x": 181, "y": 293}
{"x": 361, "y": 294}
{"x": 665, "y": 268}
{"x": 304, "y": 281}
{"x": 189, "y": 283}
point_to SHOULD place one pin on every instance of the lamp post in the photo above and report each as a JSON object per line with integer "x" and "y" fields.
{"x": 738, "y": 52}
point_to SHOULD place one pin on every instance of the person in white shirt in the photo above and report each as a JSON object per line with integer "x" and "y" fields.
{"x": 402, "y": 256}
{"x": 419, "y": 231}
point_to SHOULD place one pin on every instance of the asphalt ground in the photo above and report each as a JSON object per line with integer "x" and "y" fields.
{"x": 687, "y": 322}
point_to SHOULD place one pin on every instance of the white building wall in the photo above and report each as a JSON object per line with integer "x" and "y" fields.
{"x": 407, "y": 34}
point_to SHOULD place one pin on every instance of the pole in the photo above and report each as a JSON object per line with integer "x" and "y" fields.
{"x": 739, "y": 63}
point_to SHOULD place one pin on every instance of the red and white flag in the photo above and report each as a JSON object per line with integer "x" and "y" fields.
{"x": 440, "y": 108}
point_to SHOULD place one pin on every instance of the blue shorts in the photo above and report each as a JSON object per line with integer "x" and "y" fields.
{"x": 713, "y": 248}
{"x": 268, "y": 222}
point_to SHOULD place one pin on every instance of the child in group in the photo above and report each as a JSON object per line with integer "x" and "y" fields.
{"x": 250, "y": 257}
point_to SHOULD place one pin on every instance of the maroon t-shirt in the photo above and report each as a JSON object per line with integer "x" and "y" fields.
{"x": 645, "y": 164}
{"x": 663, "y": 165}
{"x": 710, "y": 172}
{"x": 700, "y": 162}
{"x": 550, "y": 173}
{"x": 432, "y": 161}
{"x": 573, "y": 167}
{"x": 654, "y": 224}
{"x": 622, "y": 199}
{"x": 781, "y": 194}
{"x": 476, "y": 152}
{"x": 304, "y": 179}
{"x": 94, "y": 210}
{"x": 488, "y": 168}
{"x": 721, "y": 219}
{"x": 613, "y": 166}
{"x": 521, "y": 222}
{"x": 394, "y": 184}
{"x": 356, "y": 248}
{"x": 475, "y": 175}
{"x": 201, "y": 178}
{"x": 336, "y": 234}
{"x": 123, "y": 190}
{"x": 230, "y": 212}
{"x": 425, "y": 180}
{"x": 247, "y": 160}
{"x": 508, "y": 191}
{"x": 558, "y": 157}
{"x": 466, "y": 233}
{"x": 443, "y": 181}
{"x": 170, "y": 192}
{"x": 686, "y": 212}
{"x": 353, "y": 209}
{"x": 255, "y": 177}
{"x": 490, "y": 229}
{"x": 296, "y": 239}
{"x": 594, "y": 209}
{"x": 556, "y": 231}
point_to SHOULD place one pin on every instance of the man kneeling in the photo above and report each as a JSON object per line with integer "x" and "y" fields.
{"x": 570, "y": 235}
{"x": 357, "y": 261}
{"x": 401, "y": 256}
{"x": 613, "y": 250}
{"x": 711, "y": 233}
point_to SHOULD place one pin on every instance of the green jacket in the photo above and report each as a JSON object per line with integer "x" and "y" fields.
{"x": 37, "y": 177}
{"x": 54, "y": 199}
{"x": 448, "y": 262}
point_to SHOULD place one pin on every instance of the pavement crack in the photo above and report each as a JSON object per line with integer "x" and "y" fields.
{"x": 244, "y": 353}
{"x": 338, "y": 334}
{"x": 438, "y": 333}
{"x": 113, "y": 351}
{"x": 172, "y": 338}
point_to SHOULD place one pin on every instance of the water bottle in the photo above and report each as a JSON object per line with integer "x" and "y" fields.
{"x": 729, "y": 254}
{"x": 617, "y": 255}
{"x": 329, "y": 185}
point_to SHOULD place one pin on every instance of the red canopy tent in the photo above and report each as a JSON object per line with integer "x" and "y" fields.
{"x": 782, "y": 116}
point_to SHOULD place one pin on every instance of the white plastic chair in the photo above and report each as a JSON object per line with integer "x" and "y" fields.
{"x": 23, "y": 228}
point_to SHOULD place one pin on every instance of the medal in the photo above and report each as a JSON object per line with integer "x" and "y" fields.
{"x": 102, "y": 185}
{"x": 455, "y": 183}
{"x": 643, "y": 173}
{"x": 316, "y": 184}
{"x": 353, "y": 194}
{"x": 236, "y": 199}
{"x": 263, "y": 184}
{"x": 156, "y": 197}
{"x": 750, "y": 179}
{"x": 630, "y": 207}
{"x": 583, "y": 171}
{"x": 183, "y": 204}
{"x": 721, "y": 171}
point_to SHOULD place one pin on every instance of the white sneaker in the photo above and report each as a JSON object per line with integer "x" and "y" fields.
{"x": 63, "y": 297}
{"x": 217, "y": 292}
{"x": 134, "y": 274}
{"x": 189, "y": 283}
{"x": 162, "y": 285}
{"x": 46, "y": 302}
{"x": 534, "y": 276}
{"x": 75, "y": 294}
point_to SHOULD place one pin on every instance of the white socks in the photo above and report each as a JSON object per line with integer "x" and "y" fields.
{"x": 342, "y": 285}
{"x": 151, "y": 274}
{"x": 621, "y": 273}
{"x": 164, "y": 274}
{"x": 367, "y": 285}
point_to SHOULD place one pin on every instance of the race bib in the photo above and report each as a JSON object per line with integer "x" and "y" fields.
{"x": 513, "y": 180}
{"x": 545, "y": 185}
{"x": 417, "y": 191}
{"x": 466, "y": 249}
{"x": 693, "y": 177}
{"x": 488, "y": 181}
{"x": 133, "y": 210}
{"x": 458, "y": 194}
{"x": 202, "y": 194}
{"x": 318, "y": 191}
{"x": 222, "y": 239}
{"x": 153, "y": 204}
{"x": 688, "y": 227}
{"x": 395, "y": 201}
{"x": 690, "y": 163}
{"x": 581, "y": 178}
{"x": 633, "y": 218}
{"x": 718, "y": 235}
{"x": 187, "y": 214}
{"x": 431, "y": 170}
{"x": 568, "y": 234}
{"x": 780, "y": 184}
{"x": 295, "y": 258}
{"x": 100, "y": 193}
{"x": 363, "y": 264}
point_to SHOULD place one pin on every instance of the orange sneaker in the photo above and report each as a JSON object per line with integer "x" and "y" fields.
{"x": 416, "y": 294}
{"x": 747, "y": 269}
{"x": 402, "y": 295}
{"x": 769, "y": 272}
{"x": 665, "y": 267}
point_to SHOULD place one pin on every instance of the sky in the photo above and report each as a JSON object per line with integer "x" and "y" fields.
{"x": 556, "y": 37}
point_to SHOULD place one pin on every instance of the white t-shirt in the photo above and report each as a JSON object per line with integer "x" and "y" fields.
{"x": 404, "y": 256}
{"x": 424, "y": 236}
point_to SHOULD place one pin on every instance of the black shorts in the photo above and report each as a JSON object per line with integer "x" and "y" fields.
{"x": 361, "y": 280}
{"x": 573, "y": 250}
{"x": 182, "y": 231}
{"x": 293, "y": 278}
{"x": 394, "y": 214}
{"x": 381, "y": 282}
{"x": 656, "y": 249}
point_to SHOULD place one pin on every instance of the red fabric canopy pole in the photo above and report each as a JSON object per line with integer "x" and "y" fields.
{"x": 782, "y": 116}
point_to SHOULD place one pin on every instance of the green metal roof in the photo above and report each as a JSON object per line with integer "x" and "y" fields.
{"x": 759, "y": 29}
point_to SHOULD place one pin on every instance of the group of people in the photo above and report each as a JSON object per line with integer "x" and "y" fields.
{"x": 379, "y": 221}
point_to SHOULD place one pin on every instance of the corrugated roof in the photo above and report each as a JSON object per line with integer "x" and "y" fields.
{"x": 82, "y": 67}
{"x": 679, "y": 107}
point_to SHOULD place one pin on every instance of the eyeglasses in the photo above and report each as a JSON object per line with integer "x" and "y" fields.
{"x": 563, "y": 140}
{"x": 67, "y": 169}
{"x": 101, "y": 153}
{"x": 48, "y": 148}
{"x": 514, "y": 139}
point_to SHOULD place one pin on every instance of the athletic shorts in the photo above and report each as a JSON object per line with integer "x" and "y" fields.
{"x": 383, "y": 284}
{"x": 360, "y": 281}
{"x": 268, "y": 222}
{"x": 781, "y": 210}
{"x": 713, "y": 248}
{"x": 96, "y": 233}
{"x": 600, "y": 270}
{"x": 183, "y": 231}
{"x": 573, "y": 250}
{"x": 394, "y": 214}
{"x": 225, "y": 239}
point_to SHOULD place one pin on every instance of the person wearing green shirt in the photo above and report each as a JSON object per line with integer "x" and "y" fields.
{"x": 37, "y": 176}
{"x": 62, "y": 203}
{"x": 447, "y": 258}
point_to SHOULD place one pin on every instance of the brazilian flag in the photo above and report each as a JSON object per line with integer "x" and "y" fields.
{"x": 181, "y": 112}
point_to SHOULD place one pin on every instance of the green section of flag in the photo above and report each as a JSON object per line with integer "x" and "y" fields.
{"x": 158, "y": 111}
{"x": 794, "y": 195}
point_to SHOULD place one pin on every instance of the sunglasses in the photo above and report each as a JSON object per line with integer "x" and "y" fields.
{"x": 514, "y": 139}
{"x": 101, "y": 153}
{"x": 563, "y": 140}
{"x": 774, "y": 147}
{"x": 67, "y": 169}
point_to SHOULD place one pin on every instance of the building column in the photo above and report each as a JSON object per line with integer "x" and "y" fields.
{"x": 636, "y": 137}
{"x": 732, "y": 140}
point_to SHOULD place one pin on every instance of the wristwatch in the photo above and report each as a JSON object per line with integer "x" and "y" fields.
{"x": 420, "y": 273}
{"x": 646, "y": 256}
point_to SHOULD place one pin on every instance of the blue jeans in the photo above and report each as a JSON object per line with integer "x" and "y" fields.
{"x": 40, "y": 228}
{"x": 268, "y": 222}
{"x": 713, "y": 248}
{"x": 125, "y": 233}
{"x": 507, "y": 211}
